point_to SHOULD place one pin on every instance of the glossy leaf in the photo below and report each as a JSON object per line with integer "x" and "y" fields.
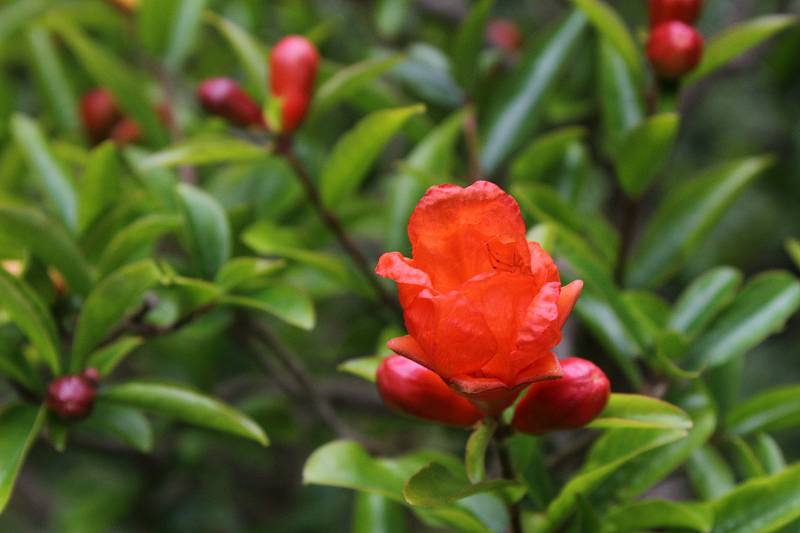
{"x": 659, "y": 514}
{"x": 249, "y": 50}
{"x": 100, "y": 184}
{"x": 137, "y": 236}
{"x": 771, "y": 410}
{"x": 543, "y": 153}
{"x": 510, "y": 120}
{"x": 376, "y": 514}
{"x": 710, "y": 474}
{"x": 183, "y": 34}
{"x": 760, "y": 310}
{"x": 436, "y": 485}
{"x": 468, "y": 42}
{"x": 744, "y": 459}
{"x": 644, "y": 150}
{"x": 19, "y": 427}
{"x": 612, "y": 28}
{"x": 637, "y": 411}
{"x": 527, "y": 459}
{"x": 209, "y": 231}
{"x": 241, "y": 271}
{"x": 703, "y": 300}
{"x": 621, "y": 99}
{"x": 769, "y": 453}
{"x": 204, "y": 151}
{"x": 106, "y": 359}
{"x": 186, "y": 405}
{"x": 357, "y": 150}
{"x": 684, "y": 219}
{"x": 288, "y": 303}
{"x": 128, "y": 425}
{"x": 477, "y": 445}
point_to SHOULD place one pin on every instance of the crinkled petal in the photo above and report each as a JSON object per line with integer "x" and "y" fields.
{"x": 410, "y": 279}
{"x": 566, "y": 301}
{"x": 542, "y": 265}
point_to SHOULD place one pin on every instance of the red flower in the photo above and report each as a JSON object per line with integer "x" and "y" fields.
{"x": 293, "y": 67}
{"x": 674, "y": 48}
{"x": 483, "y": 306}
{"x": 415, "y": 390}
{"x": 683, "y": 10}
{"x": 567, "y": 403}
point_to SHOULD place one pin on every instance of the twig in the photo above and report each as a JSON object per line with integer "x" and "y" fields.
{"x": 508, "y": 473}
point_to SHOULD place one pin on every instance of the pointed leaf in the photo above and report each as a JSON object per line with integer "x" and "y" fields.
{"x": 250, "y": 51}
{"x": 468, "y": 42}
{"x": 19, "y": 427}
{"x": 128, "y": 425}
{"x": 659, "y": 514}
{"x": 612, "y": 27}
{"x": 704, "y": 299}
{"x": 477, "y": 444}
{"x": 288, "y": 303}
{"x": 138, "y": 235}
{"x": 768, "y": 411}
{"x": 362, "y": 367}
{"x": 204, "y": 151}
{"x": 106, "y": 359}
{"x": 710, "y": 474}
{"x": 435, "y": 485}
{"x": 209, "y": 231}
{"x": 621, "y": 100}
{"x": 643, "y": 152}
{"x": 636, "y": 411}
{"x": 99, "y": 187}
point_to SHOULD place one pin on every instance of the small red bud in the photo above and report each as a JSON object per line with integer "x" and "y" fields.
{"x": 417, "y": 391}
{"x": 126, "y": 131}
{"x": 71, "y": 397}
{"x": 504, "y": 34}
{"x": 567, "y": 403}
{"x": 674, "y": 48}
{"x": 293, "y": 67}
{"x": 93, "y": 375}
{"x": 99, "y": 114}
{"x": 224, "y": 97}
{"x": 666, "y": 10}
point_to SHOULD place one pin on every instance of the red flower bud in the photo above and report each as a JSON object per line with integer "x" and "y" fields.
{"x": 293, "y": 67}
{"x": 674, "y": 48}
{"x": 126, "y": 131}
{"x": 99, "y": 114}
{"x": 224, "y": 97}
{"x": 71, "y": 397}
{"x": 415, "y": 390}
{"x": 504, "y": 34}
{"x": 683, "y": 10}
{"x": 93, "y": 375}
{"x": 567, "y": 403}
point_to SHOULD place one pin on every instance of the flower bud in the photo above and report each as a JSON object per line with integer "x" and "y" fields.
{"x": 567, "y": 403}
{"x": 666, "y": 10}
{"x": 224, "y": 97}
{"x": 504, "y": 34}
{"x": 674, "y": 48}
{"x": 99, "y": 114}
{"x": 292, "y": 69}
{"x": 417, "y": 391}
{"x": 126, "y": 131}
{"x": 72, "y": 397}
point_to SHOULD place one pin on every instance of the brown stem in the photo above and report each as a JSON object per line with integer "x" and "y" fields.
{"x": 334, "y": 224}
{"x": 507, "y": 470}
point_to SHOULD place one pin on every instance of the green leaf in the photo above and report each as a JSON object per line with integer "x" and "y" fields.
{"x": 510, "y": 121}
{"x": 209, "y": 231}
{"x": 528, "y": 462}
{"x": 761, "y": 309}
{"x": 744, "y": 459}
{"x": 469, "y": 41}
{"x": 183, "y": 35}
{"x": 13, "y": 15}
{"x": 106, "y": 359}
{"x": 185, "y": 405}
{"x": 738, "y": 39}
{"x": 55, "y": 184}
{"x": 348, "y": 81}
{"x": 643, "y": 152}
{"x": 684, "y": 219}
{"x": 128, "y": 425}
{"x": 100, "y": 186}
{"x": 49, "y": 242}
{"x": 436, "y": 485}
{"x": 110, "y": 72}
{"x": 793, "y": 249}
{"x": 114, "y": 298}
{"x": 28, "y": 312}
{"x": 204, "y": 151}
{"x": 362, "y": 367}
{"x": 620, "y": 96}
{"x": 249, "y": 50}
{"x": 612, "y": 27}
{"x": 771, "y": 410}
{"x": 241, "y": 271}
{"x": 703, "y": 300}
{"x": 659, "y": 514}
{"x": 288, "y": 303}
{"x": 376, "y": 514}
{"x": 764, "y": 504}
{"x": 769, "y": 453}
{"x": 710, "y": 474}
{"x": 543, "y": 153}
{"x": 357, "y": 150}
{"x": 139, "y": 235}
{"x": 477, "y": 444}
{"x": 636, "y": 411}
{"x": 19, "y": 427}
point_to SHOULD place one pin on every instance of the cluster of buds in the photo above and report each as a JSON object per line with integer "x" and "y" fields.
{"x": 293, "y": 65}
{"x": 102, "y": 118}
{"x": 675, "y": 46}
{"x": 72, "y": 397}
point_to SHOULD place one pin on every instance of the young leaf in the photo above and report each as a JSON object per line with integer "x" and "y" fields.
{"x": 55, "y": 184}
{"x": 761, "y": 309}
{"x": 19, "y": 427}
{"x": 357, "y": 150}
{"x": 684, "y": 219}
{"x": 710, "y": 475}
{"x": 137, "y": 236}
{"x": 250, "y": 51}
{"x": 436, "y": 485}
{"x": 114, "y": 298}
{"x": 477, "y": 444}
{"x": 288, "y": 303}
{"x": 636, "y": 411}
{"x": 376, "y": 514}
{"x": 659, "y": 514}
{"x": 468, "y": 42}
{"x": 613, "y": 29}
{"x": 100, "y": 185}
{"x": 123, "y": 423}
{"x": 209, "y": 231}
{"x": 643, "y": 152}
{"x": 771, "y": 410}
{"x": 28, "y": 312}
{"x": 704, "y": 299}
{"x": 106, "y": 359}
{"x": 511, "y": 116}
{"x": 185, "y": 405}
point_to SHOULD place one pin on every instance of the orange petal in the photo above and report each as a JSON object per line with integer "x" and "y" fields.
{"x": 408, "y": 347}
{"x": 566, "y": 302}
{"x": 410, "y": 280}
{"x": 542, "y": 265}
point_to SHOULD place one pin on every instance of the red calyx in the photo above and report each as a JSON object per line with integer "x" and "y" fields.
{"x": 504, "y": 34}
{"x": 99, "y": 113}
{"x": 72, "y": 397}
{"x": 685, "y": 11}
{"x": 224, "y": 97}
{"x": 674, "y": 48}
{"x": 417, "y": 391}
{"x": 293, "y": 66}
{"x": 567, "y": 403}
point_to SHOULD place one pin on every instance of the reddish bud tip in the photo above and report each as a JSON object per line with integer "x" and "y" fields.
{"x": 126, "y": 131}
{"x": 685, "y": 11}
{"x": 225, "y": 98}
{"x": 71, "y": 397}
{"x": 99, "y": 114}
{"x": 504, "y": 34}
{"x": 415, "y": 390}
{"x": 93, "y": 375}
{"x": 674, "y": 48}
{"x": 293, "y": 66}
{"x": 567, "y": 403}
